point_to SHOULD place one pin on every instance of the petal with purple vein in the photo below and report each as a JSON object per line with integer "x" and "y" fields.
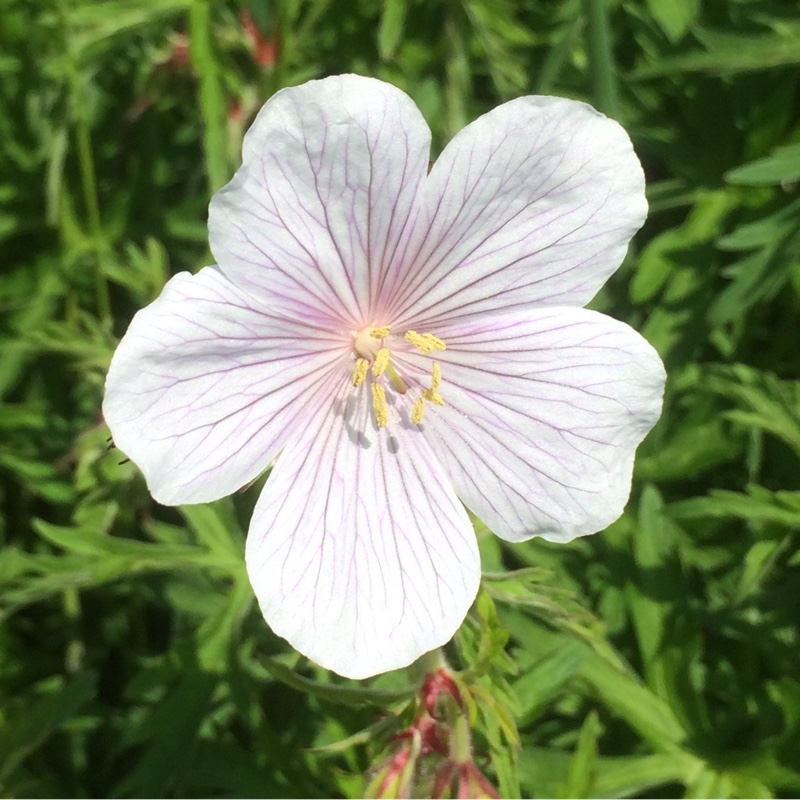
{"x": 206, "y": 387}
{"x": 359, "y": 552}
{"x": 313, "y": 218}
{"x": 533, "y": 203}
{"x": 543, "y": 413}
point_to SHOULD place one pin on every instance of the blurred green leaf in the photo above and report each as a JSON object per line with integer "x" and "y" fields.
{"x": 580, "y": 778}
{"x": 499, "y": 35}
{"x": 217, "y": 529}
{"x": 768, "y": 403}
{"x": 95, "y": 23}
{"x": 758, "y": 276}
{"x": 674, "y": 18}
{"x": 727, "y": 53}
{"x": 540, "y": 685}
{"x": 169, "y": 734}
{"x": 636, "y": 775}
{"x": 216, "y": 637}
{"x": 633, "y": 702}
{"x": 26, "y": 722}
{"x": 336, "y": 693}
{"x": 656, "y": 599}
{"x": 757, "y": 505}
{"x": 763, "y": 231}
{"x": 781, "y": 167}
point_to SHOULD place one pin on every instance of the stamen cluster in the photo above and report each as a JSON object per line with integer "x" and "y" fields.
{"x": 377, "y": 358}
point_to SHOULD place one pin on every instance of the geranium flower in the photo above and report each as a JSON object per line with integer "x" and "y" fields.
{"x": 405, "y": 342}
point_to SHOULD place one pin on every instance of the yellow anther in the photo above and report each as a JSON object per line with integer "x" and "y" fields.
{"x": 434, "y": 342}
{"x": 433, "y": 397}
{"x": 412, "y": 337}
{"x": 380, "y": 333}
{"x": 425, "y": 342}
{"x": 397, "y": 382}
{"x": 418, "y": 411}
{"x": 381, "y": 362}
{"x": 436, "y": 378}
{"x": 360, "y": 371}
{"x": 379, "y": 404}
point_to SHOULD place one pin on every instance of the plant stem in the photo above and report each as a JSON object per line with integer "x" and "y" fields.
{"x": 88, "y": 173}
{"x": 601, "y": 57}
{"x": 457, "y": 68}
{"x": 461, "y": 738}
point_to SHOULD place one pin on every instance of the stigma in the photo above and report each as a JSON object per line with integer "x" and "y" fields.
{"x": 373, "y": 363}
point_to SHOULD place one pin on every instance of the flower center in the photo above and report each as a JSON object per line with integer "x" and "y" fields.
{"x": 373, "y": 356}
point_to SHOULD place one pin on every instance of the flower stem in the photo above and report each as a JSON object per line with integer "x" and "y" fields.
{"x": 407, "y": 777}
{"x": 460, "y": 738}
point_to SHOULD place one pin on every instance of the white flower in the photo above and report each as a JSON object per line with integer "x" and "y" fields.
{"x": 408, "y": 343}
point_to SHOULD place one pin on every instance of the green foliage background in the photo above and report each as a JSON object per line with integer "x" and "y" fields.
{"x": 659, "y": 658}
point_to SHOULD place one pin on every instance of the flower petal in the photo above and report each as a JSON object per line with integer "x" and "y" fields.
{"x": 205, "y": 385}
{"x": 312, "y": 219}
{"x": 535, "y": 202}
{"x": 359, "y": 551}
{"x": 541, "y": 419}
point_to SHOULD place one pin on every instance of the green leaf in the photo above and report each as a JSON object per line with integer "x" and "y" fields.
{"x": 633, "y": 702}
{"x": 499, "y": 33}
{"x": 760, "y": 561}
{"x": 335, "y": 693}
{"x": 94, "y": 556}
{"x": 657, "y": 580}
{"x": 37, "y": 477}
{"x": 140, "y": 555}
{"x": 218, "y": 633}
{"x": 728, "y": 53}
{"x": 674, "y": 17}
{"x": 782, "y": 166}
{"x": 580, "y": 778}
{"x": 541, "y": 684}
{"x": 217, "y": 529}
{"x": 758, "y": 276}
{"x": 378, "y": 731}
{"x": 756, "y": 505}
{"x": 762, "y": 232}
{"x": 627, "y": 776}
{"x": 708, "y": 783}
{"x": 600, "y": 53}
{"x": 533, "y": 589}
{"x": 697, "y": 445}
{"x": 504, "y": 743}
{"x": 170, "y": 732}
{"x": 630, "y": 776}
{"x": 667, "y": 640}
{"x": 664, "y": 255}
{"x": 26, "y": 722}
{"x": 225, "y": 769}
{"x": 769, "y": 403}
{"x": 93, "y": 24}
